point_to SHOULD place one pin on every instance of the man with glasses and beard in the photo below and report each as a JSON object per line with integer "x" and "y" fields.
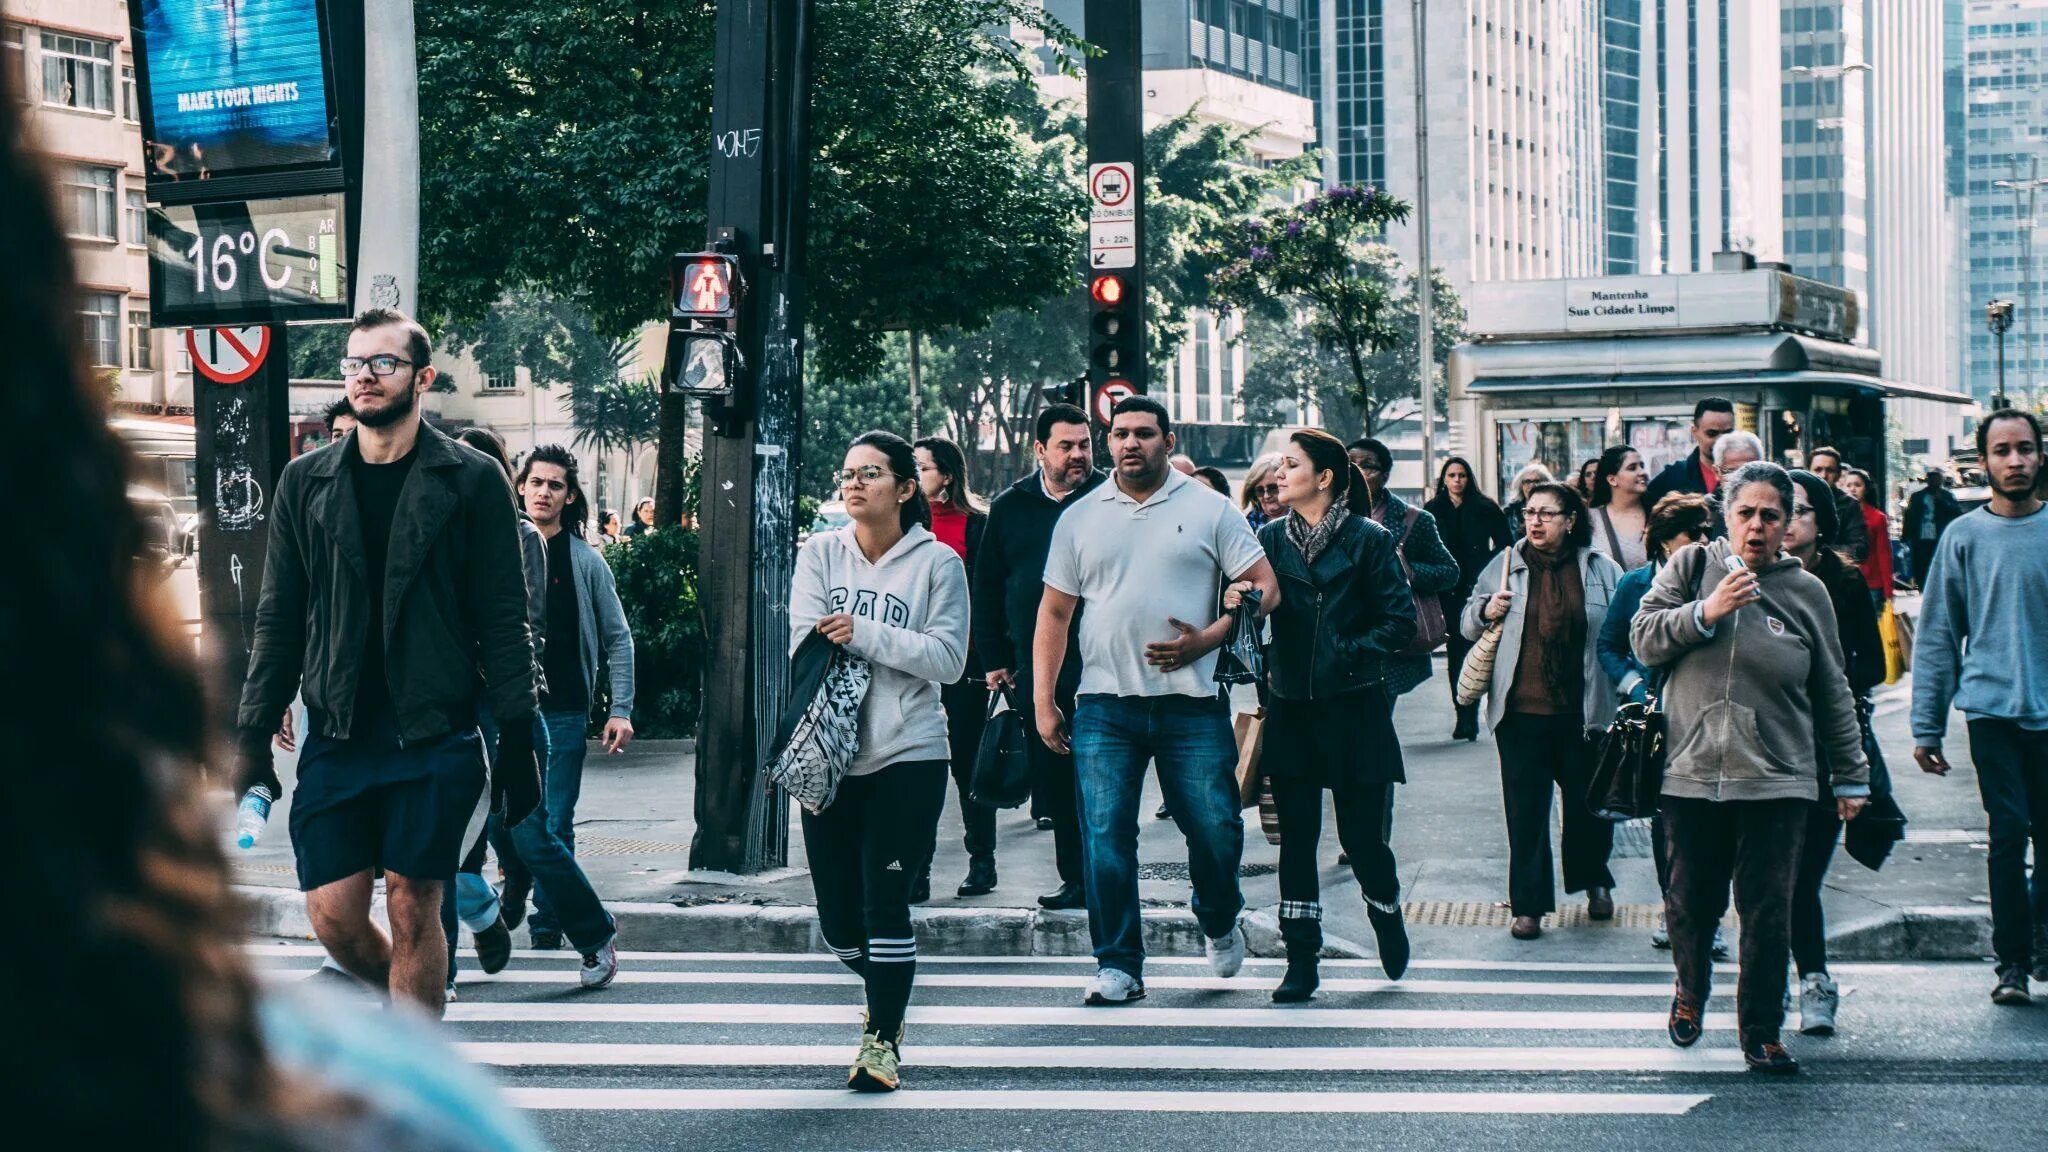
{"x": 373, "y": 546}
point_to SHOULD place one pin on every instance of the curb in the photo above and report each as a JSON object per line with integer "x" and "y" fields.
{"x": 1924, "y": 933}
{"x": 787, "y": 928}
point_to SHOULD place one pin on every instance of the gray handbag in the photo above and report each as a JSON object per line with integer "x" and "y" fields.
{"x": 825, "y": 736}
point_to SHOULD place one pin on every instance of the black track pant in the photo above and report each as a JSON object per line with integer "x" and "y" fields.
{"x": 864, "y": 850}
{"x": 966, "y": 705}
{"x": 1809, "y": 927}
{"x": 1539, "y": 755}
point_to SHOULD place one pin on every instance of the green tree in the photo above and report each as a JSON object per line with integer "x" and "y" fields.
{"x": 1201, "y": 185}
{"x": 565, "y": 151}
{"x": 1319, "y": 256}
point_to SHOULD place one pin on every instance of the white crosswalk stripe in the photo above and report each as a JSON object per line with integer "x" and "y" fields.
{"x": 757, "y": 1033}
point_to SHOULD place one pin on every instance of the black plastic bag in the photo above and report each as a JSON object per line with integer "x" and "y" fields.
{"x": 1241, "y": 660}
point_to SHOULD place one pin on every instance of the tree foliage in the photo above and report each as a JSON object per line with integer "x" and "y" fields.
{"x": 1319, "y": 256}
{"x": 566, "y": 147}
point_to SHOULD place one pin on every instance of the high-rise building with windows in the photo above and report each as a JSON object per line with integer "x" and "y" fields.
{"x": 2006, "y": 78}
{"x": 1690, "y": 127}
{"x": 68, "y": 63}
{"x": 1826, "y": 165}
{"x": 1239, "y": 62}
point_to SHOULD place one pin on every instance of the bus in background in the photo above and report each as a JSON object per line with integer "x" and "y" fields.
{"x": 164, "y": 486}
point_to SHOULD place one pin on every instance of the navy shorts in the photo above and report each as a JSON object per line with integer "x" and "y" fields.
{"x": 369, "y": 802}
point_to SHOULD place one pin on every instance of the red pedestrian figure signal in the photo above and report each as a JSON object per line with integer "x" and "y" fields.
{"x": 705, "y": 286}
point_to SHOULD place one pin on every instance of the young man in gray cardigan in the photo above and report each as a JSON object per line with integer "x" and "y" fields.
{"x": 584, "y": 617}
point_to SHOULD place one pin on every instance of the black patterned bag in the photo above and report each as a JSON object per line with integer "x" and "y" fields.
{"x": 823, "y": 733}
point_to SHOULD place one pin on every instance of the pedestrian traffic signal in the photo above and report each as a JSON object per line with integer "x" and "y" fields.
{"x": 1113, "y": 351}
{"x": 707, "y": 285}
{"x": 705, "y": 289}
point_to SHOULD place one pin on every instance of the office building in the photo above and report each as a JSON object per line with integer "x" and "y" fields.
{"x": 2006, "y": 44}
{"x": 68, "y": 62}
{"x": 1238, "y": 62}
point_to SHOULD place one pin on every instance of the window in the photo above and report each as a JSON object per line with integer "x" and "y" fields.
{"x": 141, "y": 349}
{"x": 131, "y": 105}
{"x": 138, "y": 219}
{"x": 101, "y": 312}
{"x": 89, "y": 198}
{"x": 500, "y": 383}
{"x": 78, "y": 73}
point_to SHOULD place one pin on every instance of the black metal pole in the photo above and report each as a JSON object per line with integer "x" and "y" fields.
{"x": 759, "y": 187}
{"x": 1116, "y": 136}
{"x": 242, "y": 440}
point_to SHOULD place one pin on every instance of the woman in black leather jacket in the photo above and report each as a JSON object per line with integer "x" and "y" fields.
{"x": 1345, "y": 614}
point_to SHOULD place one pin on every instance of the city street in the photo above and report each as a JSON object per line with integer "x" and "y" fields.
{"x": 1479, "y": 1051}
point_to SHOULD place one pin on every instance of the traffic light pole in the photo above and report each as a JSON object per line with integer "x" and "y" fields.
{"x": 759, "y": 169}
{"x": 1116, "y": 192}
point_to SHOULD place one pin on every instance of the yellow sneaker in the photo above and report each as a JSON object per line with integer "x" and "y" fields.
{"x": 876, "y": 1069}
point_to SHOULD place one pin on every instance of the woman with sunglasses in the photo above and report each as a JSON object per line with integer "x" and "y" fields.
{"x": 1260, "y": 497}
{"x": 886, "y": 590}
{"x": 1548, "y": 690}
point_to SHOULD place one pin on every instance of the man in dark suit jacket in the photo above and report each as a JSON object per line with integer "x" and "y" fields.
{"x": 1853, "y": 537}
{"x": 1712, "y": 418}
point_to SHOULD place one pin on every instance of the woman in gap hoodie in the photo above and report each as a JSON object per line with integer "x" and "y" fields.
{"x": 887, "y": 590}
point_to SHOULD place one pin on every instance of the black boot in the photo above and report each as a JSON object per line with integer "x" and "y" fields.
{"x": 1392, "y": 934}
{"x": 1304, "y": 939}
{"x": 1468, "y": 723}
{"x": 981, "y": 876}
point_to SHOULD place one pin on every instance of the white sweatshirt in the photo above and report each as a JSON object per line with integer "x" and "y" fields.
{"x": 910, "y": 623}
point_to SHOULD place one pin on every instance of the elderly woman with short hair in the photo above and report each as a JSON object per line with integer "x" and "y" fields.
{"x": 1754, "y": 693}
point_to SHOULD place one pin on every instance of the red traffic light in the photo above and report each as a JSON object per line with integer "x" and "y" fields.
{"x": 706, "y": 285}
{"x": 1107, "y": 291}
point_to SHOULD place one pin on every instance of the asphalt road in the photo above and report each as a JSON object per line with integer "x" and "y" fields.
{"x": 1483, "y": 1050}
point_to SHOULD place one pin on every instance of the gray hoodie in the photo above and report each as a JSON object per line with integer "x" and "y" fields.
{"x": 1750, "y": 704}
{"x": 910, "y": 623}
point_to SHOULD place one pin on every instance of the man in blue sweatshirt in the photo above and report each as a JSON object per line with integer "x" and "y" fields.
{"x": 1977, "y": 648}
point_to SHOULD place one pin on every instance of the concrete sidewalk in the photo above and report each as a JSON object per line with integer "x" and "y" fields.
{"x": 633, "y": 835}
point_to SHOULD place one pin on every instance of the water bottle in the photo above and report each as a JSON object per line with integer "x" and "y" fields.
{"x": 250, "y": 817}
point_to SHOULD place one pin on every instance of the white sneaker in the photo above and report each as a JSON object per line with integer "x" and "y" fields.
{"x": 600, "y": 966}
{"x": 1114, "y": 986}
{"x": 1226, "y": 953}
{"x": 1818, "y": 1000}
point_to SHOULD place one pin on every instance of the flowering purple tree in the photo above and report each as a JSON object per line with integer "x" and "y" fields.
{"x": 1319, "y": 256}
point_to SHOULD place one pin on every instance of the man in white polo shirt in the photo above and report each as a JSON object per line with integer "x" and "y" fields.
{"x": 1147, "y": 553}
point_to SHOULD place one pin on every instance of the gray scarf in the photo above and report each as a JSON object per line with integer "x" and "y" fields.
{"x": 1312, "y": 540}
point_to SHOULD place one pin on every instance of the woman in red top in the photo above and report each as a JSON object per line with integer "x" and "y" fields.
{"x": 1877, "y": 566}
{"x": 957, "y": 519}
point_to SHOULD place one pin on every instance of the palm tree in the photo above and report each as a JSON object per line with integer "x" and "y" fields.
{"x": 619, "y": 413}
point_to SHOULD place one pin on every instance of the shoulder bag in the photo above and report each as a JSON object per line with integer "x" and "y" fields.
{"x": 1430, "y": 631}
{"x": 1002, "y": 765}
{"x": 1628, "y": 765}
{"x": 822, "y": 729}
{"x": 1476, "y": 676}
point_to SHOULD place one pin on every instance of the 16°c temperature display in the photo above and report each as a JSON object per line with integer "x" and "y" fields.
{"x": 248, "y": 262}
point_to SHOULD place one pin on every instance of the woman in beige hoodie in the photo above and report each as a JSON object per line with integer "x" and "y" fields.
{"x": 1754, "y": 690}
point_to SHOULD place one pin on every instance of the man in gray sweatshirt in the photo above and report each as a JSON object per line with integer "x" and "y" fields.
{"x": 1978, "y": 648}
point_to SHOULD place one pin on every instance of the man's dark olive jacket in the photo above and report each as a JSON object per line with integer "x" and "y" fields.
{"x": 455, "y": 628}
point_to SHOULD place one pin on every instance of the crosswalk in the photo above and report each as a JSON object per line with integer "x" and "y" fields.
{"x": 772, "y": 1033}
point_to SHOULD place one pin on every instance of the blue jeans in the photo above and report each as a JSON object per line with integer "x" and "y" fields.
{"x": 1190, "y": 738}
{"x": 533, "y": 849}
{"x": 564, "y": 736}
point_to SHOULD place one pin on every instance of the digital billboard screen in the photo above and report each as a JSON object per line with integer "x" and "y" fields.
{"x": 234, "y": 88}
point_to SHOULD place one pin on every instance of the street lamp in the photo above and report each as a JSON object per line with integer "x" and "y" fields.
{"x": 1998, "y": 317}
{"x": 2030, "y": 365}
